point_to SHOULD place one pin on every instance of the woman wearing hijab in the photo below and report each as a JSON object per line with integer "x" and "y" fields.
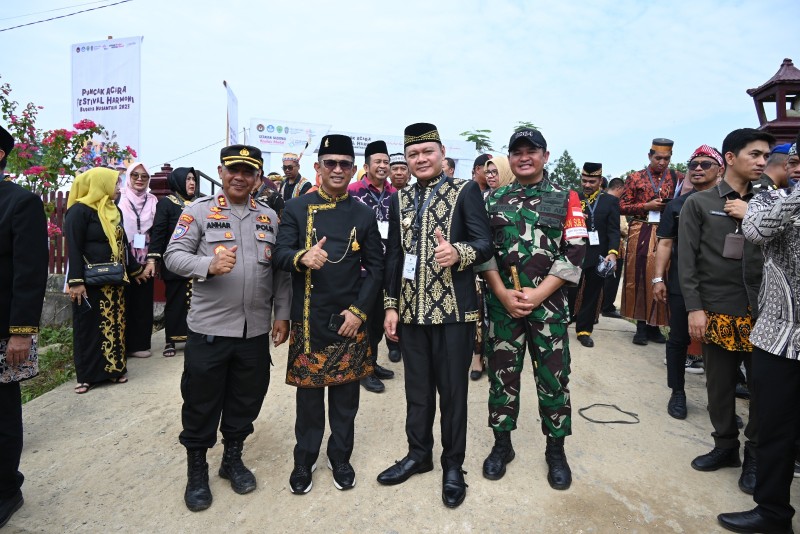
{"x": 183, "y": 183}
{"x": 138, "y": 207}
{"x": 93, "y": 228}
{"x": 498, "y": 173}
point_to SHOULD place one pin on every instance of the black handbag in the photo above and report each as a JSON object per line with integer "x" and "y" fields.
{"x": 104, "y": 274}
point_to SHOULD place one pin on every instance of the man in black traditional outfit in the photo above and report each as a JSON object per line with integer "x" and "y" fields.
{"x": 23, "y": 276}
{"x": 438, "y": 229}
{"x": 325, "y": 238}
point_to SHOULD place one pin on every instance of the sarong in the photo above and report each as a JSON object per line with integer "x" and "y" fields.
{"x": 640, "y": 262}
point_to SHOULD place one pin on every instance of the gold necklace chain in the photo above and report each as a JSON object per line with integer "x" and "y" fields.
{"x": 349, "y": 244}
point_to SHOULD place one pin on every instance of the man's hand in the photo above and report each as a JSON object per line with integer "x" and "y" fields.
{"x": 445, "y": 254}
{"x": 736, "y": 208}
{"x": 698, "y": 322}
{"x": 223, "y": 261}
{"x": 612, "y": 258}
{"x": 76, "y": 293}
{"x": 315, "y": 257}
{"x": 534, "y": 296}
{"x": 351, "y": 324}
{"x": 147, "y": 273}
{"x": 18, "y": 349}
{"x": 660, "y": 292}
{"x": 655, "y": 205}
{"x": 390, "y": 324}
{"x": 515, "y": 302}
{"x": 280, "y": 331}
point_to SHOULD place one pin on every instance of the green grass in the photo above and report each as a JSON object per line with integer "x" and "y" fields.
{"x": 55, "y": 364}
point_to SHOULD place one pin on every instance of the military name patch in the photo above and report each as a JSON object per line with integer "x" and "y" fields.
{"x": 180, "y": 231}
{"x": 264, "y": 228}
{"x": 186, "y": 218}
{"x": 216, "y": 225}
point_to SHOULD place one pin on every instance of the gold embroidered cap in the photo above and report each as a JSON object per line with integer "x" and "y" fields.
{"x": 291, "y": 156}
{"x": 421, "y": 132}
{"x": 338, "y": 144}
{"x": 236, "y": 154}
{"x": 592, "y": 169}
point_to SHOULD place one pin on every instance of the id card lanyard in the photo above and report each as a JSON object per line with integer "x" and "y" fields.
{"x": 139, "y": 240}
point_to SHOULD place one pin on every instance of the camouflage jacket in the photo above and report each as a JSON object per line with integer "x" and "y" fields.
{"x": 541, "y": 230}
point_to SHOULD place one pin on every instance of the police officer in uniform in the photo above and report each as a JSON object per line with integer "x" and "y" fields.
{"x": 602, "y": 221}
{"x": 225, "y": 243}
{"x": 326, "y": 237}
{"x": 437, "y": 231}
{"x": 539, "y": 241}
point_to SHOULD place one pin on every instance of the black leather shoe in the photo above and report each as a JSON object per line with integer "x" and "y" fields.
{"x": 640, "y": 339}
{"x": 614, "y": 314}
{"x": 752, "y": 521}
{"x": 654, "y": 334}
{"x": 475, "y": 375}
{"x": 9, "y": 506}
{"x": 586, "y": 341}
{"x": 373, "y": 384}
{"x": 197, "y": 495}
{"x": 300, "y": 481}
{"x": 494, "y": 466}
{"x": 747, "y": 480}
{"x": 344, "y": 476}
{"x": 559, "y": 475}
{"x": 676, "y": 407}
{"x": 403, "y": 470}
{"x": 742, "y": 392}
{"x": 454, "y": 489}
{"x": 394, "y": 355}
{"x": 717, "y": 459}
{"x": 383, "y": 373}
{"x": 242, "y": 479}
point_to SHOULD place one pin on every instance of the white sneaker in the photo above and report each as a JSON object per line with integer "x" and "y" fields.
{"x": 694, "y": 365}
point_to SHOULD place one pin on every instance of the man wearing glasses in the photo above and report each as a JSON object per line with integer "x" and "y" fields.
{"x": 325, "y": 239}
{"x": 293, "y": 185}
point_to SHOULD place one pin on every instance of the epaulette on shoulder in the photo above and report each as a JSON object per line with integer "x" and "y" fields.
{"x": 174, "y": 200}
{"x": 206, "y": 198}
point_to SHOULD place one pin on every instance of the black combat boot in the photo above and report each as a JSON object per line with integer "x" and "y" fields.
{"x": 242, "y": 479}
{"x": 747, "y": 481}
{"x": 640, "y": 338}
{"x": 494, "y": 467}
{"x": 558, "y": 472}
{"x": 198, "y": 495}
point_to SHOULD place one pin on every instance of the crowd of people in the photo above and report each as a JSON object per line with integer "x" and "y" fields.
{"x": 461, "y": 277}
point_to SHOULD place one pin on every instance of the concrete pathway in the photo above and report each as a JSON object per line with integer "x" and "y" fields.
{"x": 110, "y": 461}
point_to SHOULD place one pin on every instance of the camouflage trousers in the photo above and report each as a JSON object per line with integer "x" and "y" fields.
{"x": 548, "y": 344}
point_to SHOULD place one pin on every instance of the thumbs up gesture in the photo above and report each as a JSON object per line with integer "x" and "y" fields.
{"x": 223, "y": 261}
{"x": 316, "y": 257}
{"x": 445, "y": 254}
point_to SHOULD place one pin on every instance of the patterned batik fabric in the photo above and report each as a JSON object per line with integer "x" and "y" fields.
{"x": 729, "y": 332}
{"x": 639, "y": 190}
{"x": 638, "y": 301}
{"x": 17, "y": 373}
{"x": 336, "y": 364}
{"x": 548, "y": 345}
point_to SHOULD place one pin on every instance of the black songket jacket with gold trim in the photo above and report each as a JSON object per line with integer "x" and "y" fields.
{"x": 352, "y": 241}
{"x": 436, "y": 295}
{"x": 23, "y": 260}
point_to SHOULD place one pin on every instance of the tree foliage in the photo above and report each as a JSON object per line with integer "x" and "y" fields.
{"x": 481, "y": 139}
{"x": 566, "y": 173}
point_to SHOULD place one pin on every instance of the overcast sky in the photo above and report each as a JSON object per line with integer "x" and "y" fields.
{"x": 600, "y": 79}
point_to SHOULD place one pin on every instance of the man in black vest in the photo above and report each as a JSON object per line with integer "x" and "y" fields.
{"x": 23, "y": 276}
{"x": 602, "y": 222}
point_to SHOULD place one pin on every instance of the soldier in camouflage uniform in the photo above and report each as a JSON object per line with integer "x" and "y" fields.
{"x": 539, "y": 238}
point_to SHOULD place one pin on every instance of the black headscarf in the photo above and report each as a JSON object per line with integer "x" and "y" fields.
{"x": 177, "y": 181}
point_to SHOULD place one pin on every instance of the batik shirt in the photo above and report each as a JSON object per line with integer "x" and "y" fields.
{"x": 641, "y": 188}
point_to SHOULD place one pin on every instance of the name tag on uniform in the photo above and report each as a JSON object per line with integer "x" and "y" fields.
{"x": 383, "y": 228}
{"x": 654, "y": 217}
{"x": 594, "y": 238}
{"x": 410, "y": 266}
{"x": 138, "y": 241}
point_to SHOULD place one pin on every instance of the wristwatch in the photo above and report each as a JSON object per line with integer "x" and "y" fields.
{"x": 656, "y": 280}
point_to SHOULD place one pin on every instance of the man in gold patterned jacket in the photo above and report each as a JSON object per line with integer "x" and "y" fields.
{"x": 438, "y": 230}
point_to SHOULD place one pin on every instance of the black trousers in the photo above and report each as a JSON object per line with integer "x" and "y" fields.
{"x": 611, "y": 286}
{"x": 10, "y": 439}
{"x": 226, "y": 379}
{"x": 138, "y": 315}
{"x": 722, "y": 374}
{"x": 437, "y": 358}
{"x": 776, "y": 387}
{"x": 176, "y": 309}
{"x": 592, "y": 288}
{"x": 375, "y": 330}
{"x": 678, "y": 342}
{"x": 309, "y": 424}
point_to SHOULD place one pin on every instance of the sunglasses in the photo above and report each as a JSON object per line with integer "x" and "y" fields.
{"x": 331, "y": 164}
{"x": 140, "y": 175}
{"x": 705, "y": 165}
{"x": 288, "y": 167}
